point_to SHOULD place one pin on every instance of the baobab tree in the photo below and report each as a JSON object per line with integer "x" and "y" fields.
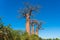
{"x": 27, "y": 13}
{"x": 35, "y": 22}
{"x": 32, "y": 24}
{"x": 38, "y": 27}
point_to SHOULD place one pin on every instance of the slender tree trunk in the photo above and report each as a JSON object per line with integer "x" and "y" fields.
{"x": 27, "y": 23}
{"x": 32, "y": 29}
{"x": 36, "y": 31}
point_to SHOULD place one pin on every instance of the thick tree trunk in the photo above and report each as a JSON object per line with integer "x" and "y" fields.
{"x": 36, "y": 31}
{"x": 27, "y": 24}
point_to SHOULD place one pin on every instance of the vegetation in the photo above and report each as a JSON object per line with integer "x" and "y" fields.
{"x": 19, "y": 35}
{"x": 7, "y": 33}
{"x": 52, "y": 39}
{"x": 11, "y": 34}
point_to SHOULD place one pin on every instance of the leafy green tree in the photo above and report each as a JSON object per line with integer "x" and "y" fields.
{"x": 57, "y": 39}
{"x": 34, "y": 37}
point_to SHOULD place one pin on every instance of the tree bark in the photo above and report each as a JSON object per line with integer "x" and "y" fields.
{"x": 32, "y": 29}
{"x": 36, "y": 31}
{"x": 28, "y": 23}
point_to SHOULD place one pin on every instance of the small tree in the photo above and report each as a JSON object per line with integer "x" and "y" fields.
{"x": 57, "y": 39}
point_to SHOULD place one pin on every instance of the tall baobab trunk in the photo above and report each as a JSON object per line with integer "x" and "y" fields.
{"x": 36, "y": 31}
{"x": 28, "y": 23}
{"x": 32, "y": 28}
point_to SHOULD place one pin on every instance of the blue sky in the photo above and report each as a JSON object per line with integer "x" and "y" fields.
{"x": 49, "y": 13}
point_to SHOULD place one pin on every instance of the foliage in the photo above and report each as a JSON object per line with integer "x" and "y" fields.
{"x": 7, "y": 33}
{"x": 17, "y": 34}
